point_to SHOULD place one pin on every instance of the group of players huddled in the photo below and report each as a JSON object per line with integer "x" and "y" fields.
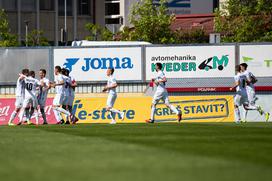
{"x": 31, "y": 95}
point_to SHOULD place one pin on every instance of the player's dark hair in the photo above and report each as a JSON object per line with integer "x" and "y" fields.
{"x": 25, "y": 71}
{"x": 67, "y": 72}
{"x": 244, "y": 65}
{"x": 58, "y": 68}
{"x": 43, "y": 71}
{"x": 159, "y": 65}
{"x": 237, "y": 68}
{"x": 32, "y": 73}
{"x": 64, "y": 72}
{"x": 112, "y": 70}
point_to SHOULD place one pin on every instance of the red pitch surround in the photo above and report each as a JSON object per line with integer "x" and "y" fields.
{"x": 213, "y": 89}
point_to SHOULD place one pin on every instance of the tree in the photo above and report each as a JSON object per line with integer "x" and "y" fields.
{"x": 7, "y": 39}
{"x": 245, "y": 21}
{"x": 151, "y": 23}
{"x": 98, "y": 33}
{"x": 36, "y": 38}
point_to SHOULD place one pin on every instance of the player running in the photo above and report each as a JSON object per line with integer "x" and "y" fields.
{"x": 43, "y": 91}
{"x": 241, "y": 94}
{"x": 161, "y": 94}
{"x": 59, "y": 85}
{"x": 250, "y": 89}
{"x": 20, "y": 94}
{"x": 111, "y": 88}
{"x": 30, "y": 102}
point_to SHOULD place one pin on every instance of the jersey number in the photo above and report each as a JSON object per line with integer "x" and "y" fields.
{"x": 29, "y": 86}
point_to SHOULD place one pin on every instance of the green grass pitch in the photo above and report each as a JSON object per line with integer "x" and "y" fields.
{"x": 128, "y": 152}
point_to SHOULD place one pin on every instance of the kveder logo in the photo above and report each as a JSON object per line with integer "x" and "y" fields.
{"x": 214, "y": 63}
{"x": 89, "y": 64}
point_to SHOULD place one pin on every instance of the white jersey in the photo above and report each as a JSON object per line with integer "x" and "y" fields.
{"x": 20, "y": 88}
{"x": 72, "y": 90}
{"x": 249, "y": 76}
{"x": 60, "y": 88}
{"x": 31, "y": 85}
{"x": 67, "y": 83}
{"x": 160, "y": 86}
{"x": 241, "y": 78}
{"x": 111, "y": 81}
{"x": 43, "y": 90}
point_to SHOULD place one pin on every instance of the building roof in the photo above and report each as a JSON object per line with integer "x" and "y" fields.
{"x": 188, "y": 22}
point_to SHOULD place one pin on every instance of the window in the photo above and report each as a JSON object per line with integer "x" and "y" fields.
{"x": 84, "y": 7}
{"x": 112, "y": 9}
{"x": 28, "y": 5}
{"x": 69, "y": 10}
{"x": 47, "y": 5}
{"x": 113, "y": 21}
{"x": 8, "y": 5}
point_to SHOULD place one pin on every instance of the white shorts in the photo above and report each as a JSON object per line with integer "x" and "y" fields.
{"x": 251, "y": 95}
{"x": 41, "y": 102}
{"x": 111, "y": 100}
{"x": 30, "y": 101}
{"x": 71, "y": 100}
{"x": 58, "y": 100}
{"x": 160, "y": 96}
{"x": 19, "y": 101}
{"x": 240, "y": 99}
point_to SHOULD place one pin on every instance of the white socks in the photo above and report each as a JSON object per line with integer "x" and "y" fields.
{"x": 174, "y": 109}
{"x": 12, "y": 117}
{"x": 237, "y": 114}
{"x": 59, "y": 109}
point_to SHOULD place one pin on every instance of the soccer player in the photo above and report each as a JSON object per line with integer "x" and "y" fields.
{"x": 241, "y": 94}
{"x": 59, "y": 97}
{"x": 30, "y": 102}
{"x": 111, "y": 88}
{"x": 43, "y": 91}
{"x": 72, "y": 96}
{"x": 20, "y": 94}
{"x": 66, "y": 90}
{"x": 161, "y": 94}
{"x": 250, "y": 89}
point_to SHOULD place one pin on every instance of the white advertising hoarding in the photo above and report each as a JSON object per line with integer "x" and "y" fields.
{"x": 258, "y": 58}
{"x": 191, "y": 61}
{"x": 90, "y": 64}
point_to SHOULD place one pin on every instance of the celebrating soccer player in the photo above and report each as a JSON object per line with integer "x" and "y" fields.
{"x": 161, "y": 94}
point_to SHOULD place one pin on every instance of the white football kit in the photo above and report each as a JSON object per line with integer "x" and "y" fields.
{"x": 250, "y": 88}
{"x": 59, "y": 97}
{"x": 161, "y": 92}
{"x": 71, "y": 92}
{"x": 42, "y": 96}
{"x": 31, "y": 85}
{"x": 112, "y": 92}
{"x": 241, "y": 93}
{"x": 20, "y": 93}
{"x": 66, "y": 89}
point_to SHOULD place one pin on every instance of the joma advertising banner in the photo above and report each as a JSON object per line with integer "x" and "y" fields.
{"x": 137, "y": 109}
{"x": 258, "y": 58}
{"x": 90, "y": 64}
{"x": 191, "y": 61}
